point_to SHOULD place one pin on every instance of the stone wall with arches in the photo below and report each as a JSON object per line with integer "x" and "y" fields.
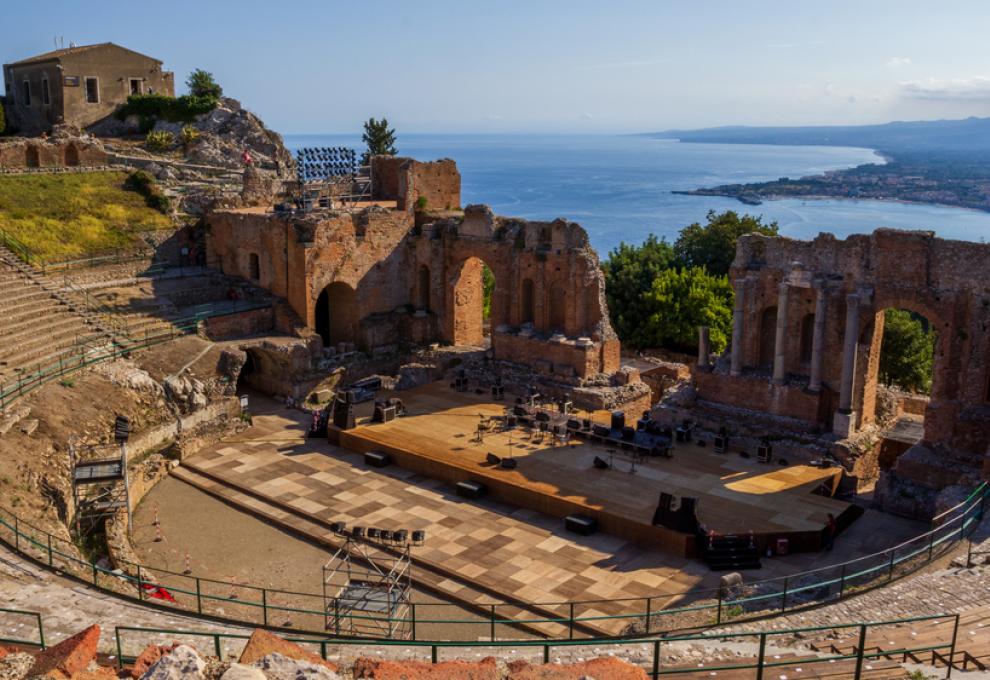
{"x": 845, "y": 286}
{"x": 417, "y": 277}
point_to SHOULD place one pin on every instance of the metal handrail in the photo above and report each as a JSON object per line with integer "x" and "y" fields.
{"x": 36, "y": 617}
{"x": 859, "y": 654}
{"x": 920, "y": 551}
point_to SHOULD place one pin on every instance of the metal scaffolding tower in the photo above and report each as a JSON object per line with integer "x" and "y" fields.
{"x": 366, "y": 588}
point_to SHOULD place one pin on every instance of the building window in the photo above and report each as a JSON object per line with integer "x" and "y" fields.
{"x": 92, "y": 90}
{"x": 26, "y": 99}
{"x": 137, "y": 85}
{"x": 46, "y": 95}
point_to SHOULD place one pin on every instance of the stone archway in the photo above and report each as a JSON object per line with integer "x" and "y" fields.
{"x": 557, "y": 308}
{"x": 768, "y": 337}
{"x": 337, "y": 314}
{"x": 468, "y": 323}
{"x": 32, "y": 158}
{"x": 71, "y": 155}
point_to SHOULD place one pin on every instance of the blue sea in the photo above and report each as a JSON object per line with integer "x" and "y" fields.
{"x": 618, "y": 187}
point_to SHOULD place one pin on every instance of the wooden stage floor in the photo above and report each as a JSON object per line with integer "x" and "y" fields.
{"x": 437, "y": 438}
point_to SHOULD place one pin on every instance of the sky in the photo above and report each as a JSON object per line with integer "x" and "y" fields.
{"x": 543, "y": 66}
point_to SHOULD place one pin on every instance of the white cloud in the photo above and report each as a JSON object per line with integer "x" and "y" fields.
{"x": 897, "y": 62}
{"x": 586, "y": 116}
{"x": 965, "y": 89}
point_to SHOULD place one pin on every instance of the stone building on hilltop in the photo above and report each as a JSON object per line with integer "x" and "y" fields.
{"x": 78, "y": 85}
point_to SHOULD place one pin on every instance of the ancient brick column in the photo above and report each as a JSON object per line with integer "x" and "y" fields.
{"x": 780, "y": 341}
{"x": 817, "y": 340}
{"x": 849, "y": 346}
{"x": 737, "y": 329}
{"x": 703, "y": 346}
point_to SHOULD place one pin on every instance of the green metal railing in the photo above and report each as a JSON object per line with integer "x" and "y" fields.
{"x": 944, "y": 650}
{"x": 307, "y": 612}
{"x": 34, "y": 618}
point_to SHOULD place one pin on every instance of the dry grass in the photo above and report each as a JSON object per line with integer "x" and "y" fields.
{"x": 74, "y": 215}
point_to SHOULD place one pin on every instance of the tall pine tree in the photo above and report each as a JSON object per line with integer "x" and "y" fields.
{"x": 379, "y": 138}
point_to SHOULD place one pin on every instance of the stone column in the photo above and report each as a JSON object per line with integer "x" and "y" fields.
{"x": 780, "y": 342}
{"x": 850, "y": 344}
{"x": 703, "y": 346}
{"x": 817, "y": 340}
{"x": 735, "y": 367}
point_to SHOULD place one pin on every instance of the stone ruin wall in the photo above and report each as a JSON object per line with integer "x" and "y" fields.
{"x": 817, "y": 367}
{"x": 393, "y": 281}
{"x": 21, "y": 153}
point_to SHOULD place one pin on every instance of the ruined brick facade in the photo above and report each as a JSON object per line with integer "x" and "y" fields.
{"x": 382, "y": 277}
{"x": 20, "y": 153}
{"x": 808, "y": 325}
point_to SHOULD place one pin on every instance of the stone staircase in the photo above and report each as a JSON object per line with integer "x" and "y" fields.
{"x": 41, "y": 327}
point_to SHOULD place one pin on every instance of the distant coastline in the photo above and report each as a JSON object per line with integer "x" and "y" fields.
{"x": 939, "y": 163}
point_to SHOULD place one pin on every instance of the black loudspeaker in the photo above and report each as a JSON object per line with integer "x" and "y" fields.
{"x": 628, "y": 434}
{"x": 498, "y": 392}
{"x": 573, "y": 424}
{"x": 509, "y": 463}
{"x": 121, "y": 429}
{"x": 683, "y": 519}
{"x": 666, "y": 501}
{"x": 618, "y": 420}
{"x": 721, "y": 443}
{"x": 601, "y": 430}
{"x": 687, "y": 515}
{"x": 343, "y": 414}
{"x": 600, "y": 463}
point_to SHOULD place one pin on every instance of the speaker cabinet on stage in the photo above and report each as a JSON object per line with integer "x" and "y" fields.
{"x": 684, "y": 519}
{"x": 343, "y": 414}
{"x": 618, "y": 420}
{"x": 764, "y": 452}
{"x": 628, "y": 434}
{"x": 721, "y": 443}
{"x": 498, "y": 392}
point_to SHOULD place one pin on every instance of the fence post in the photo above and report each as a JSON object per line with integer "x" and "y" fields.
{"x": 969, "y": 554}
{"x": 41, "y": 631}
{"x": 492, "y": 619}
{"x": 890, "y": 570}
{"x": 718, "y": 609}
{"x": 199, "y": 597}
{"x": 931, "y": 544}
{"x": 649, "y": 613}
{"x": 140, "y": 585}
{"x": 264, "y": 606}
{"x": 433, "y": 653}
{"x": 120, "y": 657}
{"x": 783, "y": 597}
{"x": 570, "y": 625}
{"x": 17, "y": 535}
{"x": 49, "y": 550}
{"x": 656, "y": 659}
{"x": 95, "y": 574}
{"x": 859, "y": 652}
{"x": 413, "y": 606}
{"x": 546, "y": 653}
{"x": 952, "y": 646}
{"x": 762, "y": 656}
{"x": 216, "y": 646}
{"x": 842, "y": 580}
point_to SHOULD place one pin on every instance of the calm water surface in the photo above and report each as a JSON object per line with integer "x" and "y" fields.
{"x": 618, "y": 187}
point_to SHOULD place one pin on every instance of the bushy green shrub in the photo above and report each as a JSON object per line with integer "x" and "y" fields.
{"x": 146, "y": 185}
{"x": 202, "y": 84}
{"x": 161, "y": 107}
{"x": 159, "y": 140}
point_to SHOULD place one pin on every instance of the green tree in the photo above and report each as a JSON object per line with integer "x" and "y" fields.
{"x": 713, "y": 245}
{"x": 202, "y": 84}
{"x": 629, "y": 273}
{"x": 679, "y": 301}
{"x": 488, "y": 288}
{"x": 907, "y": 354}
{"x": 380, "y": 139}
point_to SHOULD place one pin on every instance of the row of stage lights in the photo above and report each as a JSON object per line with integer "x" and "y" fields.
{"x": 325, "y": 162}
{"x": 398, "y": 537}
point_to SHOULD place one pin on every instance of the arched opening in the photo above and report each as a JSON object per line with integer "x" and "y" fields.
{"x": 31, "y": 158}
{"x": 768, "y": 336}
{"x": 71, "y": 155}
{"x": 473, "y": 296}
{"x": 557, "y": 308}
{"x": 336, "y": 314}
{"x": 247, "y": 371}
{"x": 527, "y": 304}
{"x": 807, "y": 339}
{"x": 254, "y": 267}
{"x": 423, "y": 288}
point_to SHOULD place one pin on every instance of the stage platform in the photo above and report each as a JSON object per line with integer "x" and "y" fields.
{"x": 438, "y": 438}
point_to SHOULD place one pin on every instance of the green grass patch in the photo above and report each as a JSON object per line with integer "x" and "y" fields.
{"x": 74, "y": 215}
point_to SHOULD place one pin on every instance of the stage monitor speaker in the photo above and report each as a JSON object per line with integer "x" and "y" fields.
{"x": 721, "y": 443}
{"x": 628, "y": 434}
{"x": 601, "y": 430}
{"x": 498, "y": 392}
{"x": 600, "y": 463}
{"x": 618, "y": 420}
{"x": 343, "y": 415}
{"x": 573, "y": 424}
{"x": 666, "y": 500}
{"x": 509, "y": 463}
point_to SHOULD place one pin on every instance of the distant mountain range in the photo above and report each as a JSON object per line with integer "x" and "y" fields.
{"x": 967, "y": 137}
{"x": 940, "y": 161}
